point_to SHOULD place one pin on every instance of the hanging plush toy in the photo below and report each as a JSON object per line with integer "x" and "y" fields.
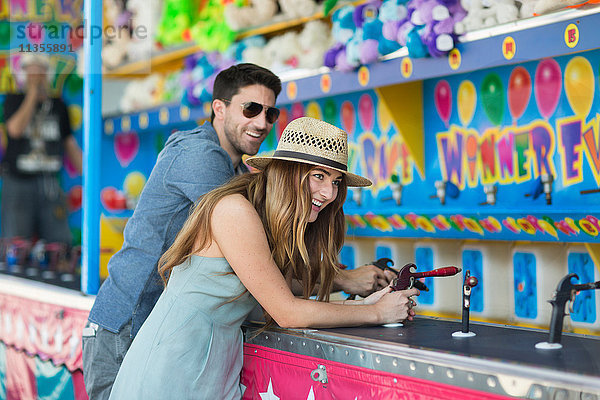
{"x": 298, "y": 8}
{"x": 391, "y": 13}
{"x": 342, "y": 31}
{"x": 210, "y": 31}
{"x": 177, "y": 17}
{"x": 242, "y": 16}
{"x": 530, "y": 8}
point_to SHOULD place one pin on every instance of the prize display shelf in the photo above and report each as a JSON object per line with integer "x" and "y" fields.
{"x": 565, "y": 32}
{"x": 172, "y": 59}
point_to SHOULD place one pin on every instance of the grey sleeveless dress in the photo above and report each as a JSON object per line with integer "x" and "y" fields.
{"x": 190, "y": 347}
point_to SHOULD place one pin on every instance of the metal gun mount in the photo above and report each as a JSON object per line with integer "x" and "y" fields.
{"x": 407, "y": 278}
{"x": 565, "y": 292}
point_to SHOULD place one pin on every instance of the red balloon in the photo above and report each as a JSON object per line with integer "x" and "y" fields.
{"x": 443, "y": 100}
{"x": 282, "y": 122}
{"x": 519, "y": 92}
{"x": 112, "y": 199}
{"x": 348, "y": 117}
{"x": 366, "y": 111}
{"x": 74, "y": 198}
{"x": 297, "y": 111}
{"x": 547, "y": 86}
{"x": 75, "y": 38}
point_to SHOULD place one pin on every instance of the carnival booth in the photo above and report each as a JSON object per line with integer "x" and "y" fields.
{"x": 477, "y": 122}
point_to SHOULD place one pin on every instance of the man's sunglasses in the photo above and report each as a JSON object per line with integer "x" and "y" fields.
{"x": 252, "y": 109}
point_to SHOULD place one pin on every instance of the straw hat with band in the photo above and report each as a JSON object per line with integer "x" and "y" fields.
{"x": 312, "y": 141}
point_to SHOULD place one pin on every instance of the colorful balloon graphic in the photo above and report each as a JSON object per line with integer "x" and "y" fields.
{"x": 75, "y": 116}
{"x": 384, "y": 117}
{"x": 313, "y": 110}
{"x": 134, "y": 183}
{"x": 547, "y": 85}
{"x": 297, "y": 111}
{"x": 74, "y": 84}
{"x": 69, "y": 167}
{"x": 330, "y": 111}
{"x": 519, "y": 92}
{"x": 366, "y": 112}
{"x": 492, "y": 98}
{"x": 35, "y": 32}
{"x": 348, "y": 117}
{"x": 467, "y": 101}
{"x": 126, "y": 147}
{"x": 74, "y": 198}
{"x": 5, "y": 32}
{"x": 112, "y": 199}
{"x": 442, "y": 97}
{"x": 282, "y": 122}
{"x": 580, "y": 85}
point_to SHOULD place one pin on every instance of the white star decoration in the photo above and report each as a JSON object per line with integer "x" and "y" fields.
{"x": 269, "y": 395}
{"x": 73, "y": 343}
{"x": 58, "y": 339}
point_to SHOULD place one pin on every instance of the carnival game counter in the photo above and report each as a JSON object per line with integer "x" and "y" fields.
{"x": 40, "y": 340}
{"x": 420, "y": 360}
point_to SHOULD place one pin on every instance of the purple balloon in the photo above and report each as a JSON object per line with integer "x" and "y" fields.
{"x": 547, "y": 86}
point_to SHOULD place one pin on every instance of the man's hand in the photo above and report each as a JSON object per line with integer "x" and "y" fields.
{"x": 363, "y": 280}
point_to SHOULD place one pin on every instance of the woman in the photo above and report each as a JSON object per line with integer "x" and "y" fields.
{"x": 244, "y": 243}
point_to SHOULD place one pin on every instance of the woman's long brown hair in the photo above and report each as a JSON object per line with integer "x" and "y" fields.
{"x": 281, "y": 196}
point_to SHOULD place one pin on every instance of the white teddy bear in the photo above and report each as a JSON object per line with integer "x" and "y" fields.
{"x": 298, "y": 8}
{"x": 257, "y": 13}
{"x": 486, "y": 13}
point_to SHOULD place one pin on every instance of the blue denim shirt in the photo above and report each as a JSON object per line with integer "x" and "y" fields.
{"x": 191, "y": 164}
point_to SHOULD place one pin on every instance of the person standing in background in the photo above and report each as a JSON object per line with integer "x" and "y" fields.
{"x": 39, "y": 134}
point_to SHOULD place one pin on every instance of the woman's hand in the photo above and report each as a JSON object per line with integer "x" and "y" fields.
{"x": 395, "y": 306}
{"x": 374, "y": 298}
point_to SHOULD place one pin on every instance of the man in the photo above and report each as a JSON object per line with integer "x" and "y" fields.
{"x": 191, "y": 164}
{"x": 33, "y": 204}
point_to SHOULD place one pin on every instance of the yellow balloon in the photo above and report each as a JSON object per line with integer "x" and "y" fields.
{"x": 313, "y": 110}
{"x": 467, "y": 100}
{"x": 75, "y": 116}
{"x": 385, "y": 119}
{"x": 579, "y": 85}
{"x": 134, "y": 183}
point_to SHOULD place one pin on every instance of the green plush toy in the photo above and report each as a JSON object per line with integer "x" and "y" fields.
{"x": 210, "y": 31}
{"x": 177, "y": 17}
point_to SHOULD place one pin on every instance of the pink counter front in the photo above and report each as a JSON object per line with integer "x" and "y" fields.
{"x": 40, "y": 357}
{"x": 40, "y": 335}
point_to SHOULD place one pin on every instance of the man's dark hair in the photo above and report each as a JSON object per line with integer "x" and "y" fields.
{"x": 229, "y": 81}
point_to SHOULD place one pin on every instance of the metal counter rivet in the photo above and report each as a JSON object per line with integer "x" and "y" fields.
{"x": 470, "y": 377}
{"x": 395, "y": 380}
{"x": 412, "y": 366}
{"x": 395, "y": 362}
{"x": 347, "y": 352}
{"x": 267, "y": 337}
{"x": 255, "y": 351}
{"x": 279, "y": 339}
{"x": 318, "y": 347}
{"x": 561, "y": 394}
{"x": 491, "y": 382}
{"x": 377, "y": 359}
{"x": 331, "y": 349}
{"x": 431, "y": 370}
{"x": 303, "y": 343}
{"x": 362, "y": 356}
{"x": 450, "y": 374}
{"x": 291, "y": 342}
